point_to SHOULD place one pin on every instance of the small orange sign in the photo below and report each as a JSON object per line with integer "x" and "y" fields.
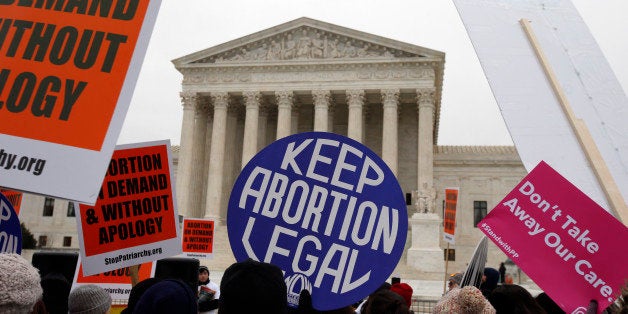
{"x": 198, "y": 237}
{"x": 63, "y": 65}
{"x": 449, "y": 217}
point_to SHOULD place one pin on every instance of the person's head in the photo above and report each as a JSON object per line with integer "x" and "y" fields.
{"x": 168, "y": 296}
{"x": 467, "y": 300}
{"x": 305, "y": 306}
{"x": 89, "y": 299}
{"x": 548, "y": 304}
{"x": 19, "y": 284}
{"x": 514, "y": 299}
{"x": 203, "y": 274}
{"x": 305, "y": 303}
{"x": 490, "y": 279}
{"x": 384, "y": 286}
{"x": 260, "y": 284}
{"x": 454, "y": 280}
{"x": 404, "y": 290}
{"x": 136, "y": 293}
{"x": 385, "y": 302}
{"x": 56, "y": 292}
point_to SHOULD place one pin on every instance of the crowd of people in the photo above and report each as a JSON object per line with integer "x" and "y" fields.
{"x": 256, "y": 287}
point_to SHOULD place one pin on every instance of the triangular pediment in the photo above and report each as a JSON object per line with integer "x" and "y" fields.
{"x": 306, "y": 40}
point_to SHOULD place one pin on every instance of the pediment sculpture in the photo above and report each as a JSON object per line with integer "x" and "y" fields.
{"x": 306, "y": 43}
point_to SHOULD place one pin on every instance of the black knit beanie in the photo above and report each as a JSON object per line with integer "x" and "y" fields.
{"x": 260, "y": 285}
{"x": 166, "y": 297}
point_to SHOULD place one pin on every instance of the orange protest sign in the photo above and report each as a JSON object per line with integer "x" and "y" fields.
{"x": 14, "y": 197}
{"x": 117, "y": 276}
{"x": 117, "y": 282}
{"x": 198, "y": 237}
{"x": 134, "y": 219}
{"x": 67, "y": 74}
{"x": 63, "y": 66}
{"x": 449, "y": 216}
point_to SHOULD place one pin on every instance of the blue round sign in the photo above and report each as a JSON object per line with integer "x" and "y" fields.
{"x": 325, "y": 209}
{"x": 10, "y": 230}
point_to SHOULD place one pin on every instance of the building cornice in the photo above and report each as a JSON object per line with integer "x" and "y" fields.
{"x": 452, "y": 156}
{"x": 446, "y": 149}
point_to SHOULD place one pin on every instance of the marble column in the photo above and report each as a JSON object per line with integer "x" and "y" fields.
{"x": 217, "y": 156}
{"x": 262, "y": 126}
{"x": 390, "y": 102}
{"x": 198, "y": 156}
{"x": 355, "y": 102}
{"x": 271, "y": 128}
{"x": 188, "y": 100}
{"x": 208, "y": 143}
{"x": 330, "y": 116}
{"x": 425, "y": 100}
{"x": 296, "y": 111}
{"x": 231, "y": 166}
{"x": 366, "y": 115}
{"x": 249, "y": 147}
{"x": 321, "y": 110}
{"x": 284, "y": 113}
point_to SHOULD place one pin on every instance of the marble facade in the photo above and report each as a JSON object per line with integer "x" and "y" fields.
{"x": 308, "y": 75}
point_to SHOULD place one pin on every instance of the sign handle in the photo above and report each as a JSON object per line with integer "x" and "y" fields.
{"x": 596, "y": 161}
{"x": 446, "y": 269}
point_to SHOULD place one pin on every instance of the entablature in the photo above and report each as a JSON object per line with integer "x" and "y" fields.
{"x": 366, "y": 75}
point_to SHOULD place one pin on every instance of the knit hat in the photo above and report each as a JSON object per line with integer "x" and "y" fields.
{"x": 56, "y": 291}
{"x": 260, "y": 284}
{"x": 136, "y": 293}
{"x": 89, "y": 299}
{"x": 456, "y": 278}
{"x": 492, "y": 278}
{"x": 203, "y": 269}
{"x": 404, "y": 290}
{"x": 166, "y": 297}
{"x": 19, "y": 284}
{"x": 468, "y": 300}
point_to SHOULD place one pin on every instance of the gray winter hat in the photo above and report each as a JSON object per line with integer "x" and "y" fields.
{"x": 89, "y": 299}
{"x": 19, "y": 284}
{"x": 456, "y": 278}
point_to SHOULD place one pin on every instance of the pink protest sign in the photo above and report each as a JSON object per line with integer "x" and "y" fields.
{"x": 570, "y": 246}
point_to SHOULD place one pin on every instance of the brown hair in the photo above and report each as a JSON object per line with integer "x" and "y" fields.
{"x": 385, "y": 302}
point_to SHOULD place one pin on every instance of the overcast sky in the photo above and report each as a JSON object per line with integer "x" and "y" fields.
{"x": 469, "y": 114}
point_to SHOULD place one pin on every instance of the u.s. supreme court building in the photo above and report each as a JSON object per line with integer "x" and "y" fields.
{"x": 307, "y": 75}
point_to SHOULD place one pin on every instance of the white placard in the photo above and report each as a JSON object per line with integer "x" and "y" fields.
{"x": 537, "y": 124}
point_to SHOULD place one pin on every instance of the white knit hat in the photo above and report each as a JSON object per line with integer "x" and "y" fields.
{"x": 19, "y": 284}
{"x": 89, "y": 299}
{"x": 468, "y": 300}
